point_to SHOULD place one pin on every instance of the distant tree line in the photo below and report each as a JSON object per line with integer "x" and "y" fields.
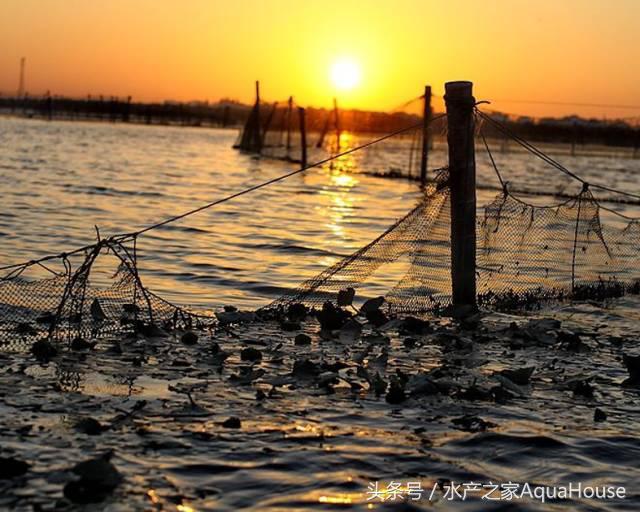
{"x": 230, "y": 113}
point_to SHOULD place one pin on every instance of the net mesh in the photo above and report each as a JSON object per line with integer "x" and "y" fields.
{"x": 275, "y": 131}
{"x": 527, "y": 254}
{"x": 91, "y": 293}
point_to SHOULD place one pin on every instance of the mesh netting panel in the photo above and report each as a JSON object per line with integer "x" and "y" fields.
{"x": 526, "y": 255}
{"x": 274, "y": 131}
{"x": 397, "y": 157}
{"x": 419, "y": 235}
{"x": 70, "y": 304}
{"x": 526, "y": 252}
{"x": 281, "y": 136}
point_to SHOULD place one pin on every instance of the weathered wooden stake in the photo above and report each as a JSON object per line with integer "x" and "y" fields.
{"x": 336, "y": 114}
{"x": 426, "y": 118}
{"x": 462, "y": 179}
{"x": 257, "y": 139}
{"x": 289, "y": 114}
{"x": 303, "y": 137}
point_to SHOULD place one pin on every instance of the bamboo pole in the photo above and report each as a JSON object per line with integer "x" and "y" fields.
{"x": 426, "y": 118}
{"x": 462, "y": 179}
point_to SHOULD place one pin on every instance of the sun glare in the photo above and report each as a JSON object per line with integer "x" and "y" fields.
{"x": 345, "y": 74}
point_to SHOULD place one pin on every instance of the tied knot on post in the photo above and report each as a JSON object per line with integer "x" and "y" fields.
{"x": 464, "y": 104}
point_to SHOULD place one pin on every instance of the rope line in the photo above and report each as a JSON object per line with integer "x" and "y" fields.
{"x": 569, "y": 104}
{"x": 543, "y": 156}
{"x": 568, "y": 196}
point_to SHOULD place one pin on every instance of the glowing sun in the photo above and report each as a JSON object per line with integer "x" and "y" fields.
{"x": 345, "y": 74}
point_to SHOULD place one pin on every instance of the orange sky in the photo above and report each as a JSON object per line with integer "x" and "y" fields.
{"x": 584, "y": 51}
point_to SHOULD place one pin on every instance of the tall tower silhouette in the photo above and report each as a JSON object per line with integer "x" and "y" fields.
{"x": 21, "y": 83}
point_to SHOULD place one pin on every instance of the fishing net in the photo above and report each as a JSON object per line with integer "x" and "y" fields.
{"x": 275, "y": 131}
{"x": 526, "y": 254}
{"x": 282, "y": 130}
{"x": 89, "y": 293}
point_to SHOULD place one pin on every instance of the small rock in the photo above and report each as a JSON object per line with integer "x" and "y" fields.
{"x": 332, "y": 318}
{"x": 302, "y": 339}
{"x": 520, "y": 376}
{"x": 472, "y": 423}
{"x": 150, "y": 330}
{"x": 396, "y": 394}
{"x": 232, "y": 422}
{"x": 305, "y": 368}
{"x": 98, "y": 478}
{"x": 378, "y": 385}
{"x": 582, "y": 387}
{"x": 350, "y": 330}
{"x": 43, "y": 350}
{"x": 297, "y": 312}
{"x": 289, "y": 325}
{"x": 372, "y": 305}
{"x": 230, "y": 309}
{"x": 251, "y": 354}
{"x": 572, "y": 341}
{"x": 415, "y": 325}
{"x": 376, "y": 318}
{"x": 115, "y": 348}
{"x": 234, "y": 317}
{"x": 633, "y": 367}
{"x": 11, "y": 468}
{"x": 82, "y": 344}
{"x": 26, "y": 329}
{"x": 189, "y": 338}
{"x": 409, "y": 342}
{"x": 345, "y": 297}
{"x": 474, "y": 392}
{"x": 599, "y": 415}
{"x": 89, "y": 426}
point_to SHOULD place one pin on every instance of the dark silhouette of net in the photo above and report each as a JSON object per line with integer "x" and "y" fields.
{"x": 68, "y": 297}
{"x": 527, "y": 254}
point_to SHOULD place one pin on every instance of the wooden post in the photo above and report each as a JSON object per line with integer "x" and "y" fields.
{"x": 426, "y": 118}
{"x": 462, "y": 181}
{"x": 257, "y": 139}
{"x": 289, "y": 114}
{"x": 336, "y": 113}
{"x": 303, "y": 137}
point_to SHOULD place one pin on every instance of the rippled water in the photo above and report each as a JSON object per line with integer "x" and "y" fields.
{"x": 61, "y": 179}
{"x": 305, "y": 446}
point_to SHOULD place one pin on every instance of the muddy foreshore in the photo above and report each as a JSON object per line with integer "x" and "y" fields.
{"x": 285, "y": 415}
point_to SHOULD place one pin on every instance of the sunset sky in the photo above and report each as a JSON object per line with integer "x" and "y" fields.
{"x": 578, "y": 51}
